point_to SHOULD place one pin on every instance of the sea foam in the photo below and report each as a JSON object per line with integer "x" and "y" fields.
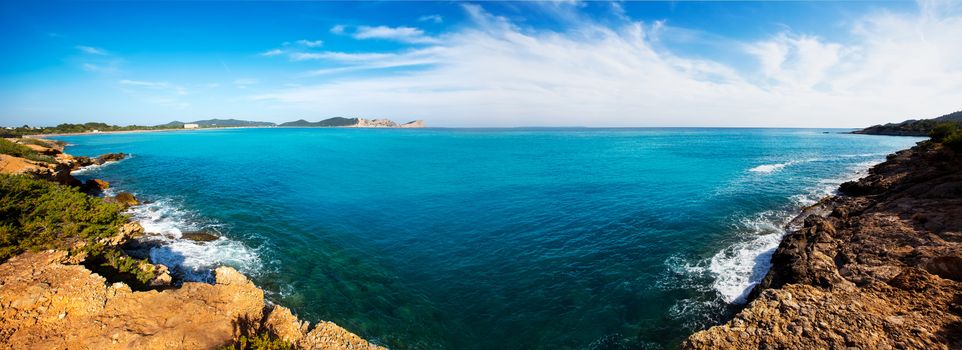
{"x": 737, "y": 268}
{"x": 164, "y": 223}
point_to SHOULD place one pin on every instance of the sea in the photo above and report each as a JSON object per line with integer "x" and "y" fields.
{"x": 515, "y": 238}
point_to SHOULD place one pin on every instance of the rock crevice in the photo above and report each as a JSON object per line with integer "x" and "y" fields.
{"x": 879, "y": 269}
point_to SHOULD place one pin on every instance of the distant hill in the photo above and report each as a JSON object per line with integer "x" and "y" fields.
{"x": 911, "y": 127}
{"x": 353, "y": 123}
{"x": 330, "y": 122}
{"x": 220, "y": 123}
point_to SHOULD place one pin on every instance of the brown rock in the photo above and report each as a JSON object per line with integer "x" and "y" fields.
{"x": 111, "y": 157}
{"x": 97, "y": 184}
{"x": 283, "y": 324}
{"x": 881, "y": 271}
{"x": 46, "y": 304}
{"x": 126, "y": 198}
{"x": 199, "y": 236}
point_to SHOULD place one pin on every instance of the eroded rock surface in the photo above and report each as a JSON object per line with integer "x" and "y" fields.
{"x": 48, "y": 304}
{"x": 880, "y": 271}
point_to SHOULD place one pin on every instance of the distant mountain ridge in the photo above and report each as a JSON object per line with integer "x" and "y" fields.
{"x": 911, "y": 127}
{"x": 336, "y": 122}
{"x": 340, "y": 122}
{"x": 208, "y": 123}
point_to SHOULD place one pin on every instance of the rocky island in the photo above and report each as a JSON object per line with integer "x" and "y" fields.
{"x": 66, "y": 283}
{"x": 878, "y": 266}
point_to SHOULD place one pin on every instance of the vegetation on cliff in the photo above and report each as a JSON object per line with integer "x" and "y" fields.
{"x": 38, "y": 214}
{"x": 948, "y": 134}
{"x": 263, "y": 341}
{"x": 67, "y": 128}
{"x": 22, "y": 151}
{"x": 912, "y": 127}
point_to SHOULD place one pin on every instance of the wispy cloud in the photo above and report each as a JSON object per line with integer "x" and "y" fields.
{"x": 431, "y": 18}
{"x": 595, "y": 73}
{"x": 243, "y": 83}
{"x": 159, "y": 93}
{"x": 99, "y": 68}
{"x": 273, "y": 52}
{"x": 154, "y": 85}
{"x": 310, "y": 43}
{"x": 403, "y": 34}
{"x": 340, "y": 56}
{"x": 92, "y": 50}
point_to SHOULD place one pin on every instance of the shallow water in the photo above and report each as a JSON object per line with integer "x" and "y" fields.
{"x": 486, "y": 239}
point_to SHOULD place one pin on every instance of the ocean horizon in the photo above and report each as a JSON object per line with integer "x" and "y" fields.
{"x": 485, "y": 238}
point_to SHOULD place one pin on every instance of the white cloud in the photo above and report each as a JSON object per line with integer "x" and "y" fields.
{"x": 92, "y": 50}
{"x": 273, "y": 52}
{"x": 409, "y": 35}
{"x": 99, "y": 68}
{"x": 499, "y": 73}
{"x": 245, "y": 82}
{"x": 431, "y": 18}
{"x": 155, "y": 85}
{"x": 310, "y": 43}
{"x": 339, "y": 56}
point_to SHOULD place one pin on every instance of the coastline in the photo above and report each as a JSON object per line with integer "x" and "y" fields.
{"x": 56, "y": 299}
{"x": 875, "y": 266}
{"x": 41, "y": 136}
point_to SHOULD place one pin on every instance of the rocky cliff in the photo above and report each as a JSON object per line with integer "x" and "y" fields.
{"x": 48, "y": 303}
{"x": 877, "y": 267}
{"x": 52, "y": 300}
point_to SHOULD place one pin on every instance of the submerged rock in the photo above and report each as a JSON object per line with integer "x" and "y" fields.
{"x": 111, "y": 157}
{"x": 199, "y": 236}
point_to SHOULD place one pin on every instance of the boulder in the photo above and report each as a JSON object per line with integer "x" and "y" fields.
{"x": 199, "y": 236}
{"x": 95, "y": 186}
{"x": 126, "y": 198}
{"x": 112, "y": 157}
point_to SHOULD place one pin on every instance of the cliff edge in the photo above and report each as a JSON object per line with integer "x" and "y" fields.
{"x": 64, "y": 280}
{"x": 877, "y": 267}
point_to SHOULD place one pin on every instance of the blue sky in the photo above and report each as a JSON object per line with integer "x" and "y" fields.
{"x": 809, "y": 64}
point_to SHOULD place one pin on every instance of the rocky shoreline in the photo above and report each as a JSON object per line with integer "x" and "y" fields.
{"x": 52, "y": 298}
{"x": 878, "y": 266}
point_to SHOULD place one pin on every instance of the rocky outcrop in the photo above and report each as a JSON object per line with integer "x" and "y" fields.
{"x": 126, "y": 198}
{"x": 413, "y": 124}
{"x": 48, "y": 303}
{"x": 877, "y": 267}
{"x": 374, "y": 123}
{"x": 49, "y": 300}
{"x": 58, "y": 170}
{"x": 340, "y": 122}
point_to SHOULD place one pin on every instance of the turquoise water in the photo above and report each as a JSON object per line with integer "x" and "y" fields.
{"x": 486, "y": 239}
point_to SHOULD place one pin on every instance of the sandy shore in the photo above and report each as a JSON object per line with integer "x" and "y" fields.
{"x": 141, "y": 131}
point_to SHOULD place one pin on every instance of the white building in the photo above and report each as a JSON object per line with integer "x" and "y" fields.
{"x": 191, "y": 126}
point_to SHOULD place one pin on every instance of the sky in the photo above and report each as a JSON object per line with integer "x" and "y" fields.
{"x": 482, "y": 64}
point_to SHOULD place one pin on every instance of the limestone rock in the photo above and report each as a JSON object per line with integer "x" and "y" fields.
{"x": 285, "y": 325}
{"x": 413, "y": 124}
{"x": 126, "y": 198}
{"x": 879, "y": 268}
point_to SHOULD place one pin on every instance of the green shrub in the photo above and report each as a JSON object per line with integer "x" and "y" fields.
{"x": 17, "y": 150}
{"x": 954, "y": 141}
{"x": 262, "y": 341}
{"x": 941, "y": 131}
{"x": 44, "y": 143}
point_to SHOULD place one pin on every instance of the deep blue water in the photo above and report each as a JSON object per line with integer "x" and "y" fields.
{"x": 486, "y": 238}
